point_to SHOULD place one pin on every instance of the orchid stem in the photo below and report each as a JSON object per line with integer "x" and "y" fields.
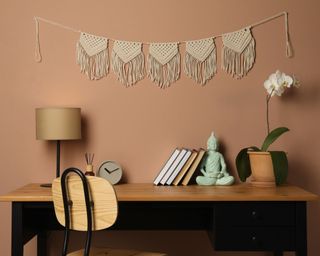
{"x": 267, "y": 101}
{"x": 268, "y": 127}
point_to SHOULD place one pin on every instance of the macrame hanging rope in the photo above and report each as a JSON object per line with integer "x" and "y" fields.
{"x": 37, "y": 52}
{"x": 238, "y": 55}
{"x": 285, "y": 14}
{"x": 38, "y": 56}
{"x": 289, "y": 51}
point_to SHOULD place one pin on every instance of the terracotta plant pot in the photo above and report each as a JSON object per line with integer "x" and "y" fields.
{"x": 262, "y": 169}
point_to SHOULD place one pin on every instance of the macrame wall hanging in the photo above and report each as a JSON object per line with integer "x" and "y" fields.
{"x": 200, "y": 62}
{"x": 238, "y": 52}
{"x": 93, "y": 56}
{"x": 163, "y": 62}
{"x": 128, "y": 62}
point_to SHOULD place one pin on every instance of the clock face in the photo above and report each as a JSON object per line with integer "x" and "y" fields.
{"x": 110, "y": 171}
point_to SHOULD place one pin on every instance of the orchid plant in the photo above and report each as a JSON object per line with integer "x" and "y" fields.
{"x": 276, "y": 84}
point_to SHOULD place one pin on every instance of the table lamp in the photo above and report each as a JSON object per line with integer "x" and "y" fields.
{"x": 58, "y": 124}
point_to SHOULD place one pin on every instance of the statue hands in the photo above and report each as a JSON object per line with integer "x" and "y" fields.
{"x": 209, "y": 174}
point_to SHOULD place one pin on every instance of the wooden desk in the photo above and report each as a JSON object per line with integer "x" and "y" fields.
{"x": 237, "y": 218}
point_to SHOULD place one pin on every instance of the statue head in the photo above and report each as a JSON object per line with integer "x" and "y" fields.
{"x": 212, "y": 143}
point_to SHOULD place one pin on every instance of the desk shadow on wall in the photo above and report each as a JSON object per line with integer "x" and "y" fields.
{"x": 298, "y": 176}
{"x": 174, "y": 243}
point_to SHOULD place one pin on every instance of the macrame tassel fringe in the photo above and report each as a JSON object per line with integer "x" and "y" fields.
{"x": 164, "y": 75}
{"x": 201, "y": 71}
{"x": 238, "y": 64}
{"x": 128, "y": 73}
{"x": 96, "y": 66}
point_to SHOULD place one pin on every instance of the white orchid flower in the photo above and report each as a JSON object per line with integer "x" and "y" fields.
{"x": 277, "y": 83}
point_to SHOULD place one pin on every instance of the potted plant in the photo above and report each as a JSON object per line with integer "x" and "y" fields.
{"x": 268, "y": 168}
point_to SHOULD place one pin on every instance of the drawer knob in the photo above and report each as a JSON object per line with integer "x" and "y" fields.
{"x": 254, "y": 214}
{"x": 254, "y": 238}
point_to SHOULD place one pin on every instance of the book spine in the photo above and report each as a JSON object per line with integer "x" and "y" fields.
{"x": 185, "y": 168}
{"x": 173, "y": 166}
{"x": 193, "y": 167}
{"x": 179, "y": 167}
{"x": 166, "y": 166}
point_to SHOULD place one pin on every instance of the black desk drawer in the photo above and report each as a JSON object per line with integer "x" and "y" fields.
{"x": 255, "y": 214}
{"x": 251, "y": 239}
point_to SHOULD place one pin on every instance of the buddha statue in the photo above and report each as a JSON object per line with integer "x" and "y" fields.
{"x": 213, "y": 167}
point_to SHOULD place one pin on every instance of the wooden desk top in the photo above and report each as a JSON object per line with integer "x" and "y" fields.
{"x": 148, "y": 192}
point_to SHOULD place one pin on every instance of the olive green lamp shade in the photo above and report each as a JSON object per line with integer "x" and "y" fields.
{"x": 58, "y": 123}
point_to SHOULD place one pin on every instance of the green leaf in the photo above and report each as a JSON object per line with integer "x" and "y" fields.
{"x": 243, "y": 163}
{"x": 280, "y": 166}
{"x": 272, "y": 136}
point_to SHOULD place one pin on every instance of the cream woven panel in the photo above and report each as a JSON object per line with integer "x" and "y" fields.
{"x": 163, "y": 52}
{"x": 200, "y": 49}
{"x": 238, "y": 40}
{"x": 93, "y": 44}
{"x": 200, "y": 62}
{"x": 93, "y": 56}
{"x": 127, "y": 50}
{"x": 238, "y": 52}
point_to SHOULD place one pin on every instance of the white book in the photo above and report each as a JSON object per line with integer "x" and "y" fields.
{"x": 173, "y": 166}
{"x": 166, "y": 166}
{"x": 179, "y": 167}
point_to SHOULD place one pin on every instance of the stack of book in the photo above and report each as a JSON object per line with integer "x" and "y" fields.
{"x": 180, "y": 167}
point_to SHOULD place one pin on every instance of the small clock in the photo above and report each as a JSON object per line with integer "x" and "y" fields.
{"x": 110, "y": 171}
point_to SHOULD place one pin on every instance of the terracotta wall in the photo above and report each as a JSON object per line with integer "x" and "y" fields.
{"x": 140, "y": 126}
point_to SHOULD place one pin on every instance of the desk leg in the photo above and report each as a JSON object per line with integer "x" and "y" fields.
{"x": 17, "y": 230}
{"x": 301, "y": 229}
{"x": 42, "y": 243}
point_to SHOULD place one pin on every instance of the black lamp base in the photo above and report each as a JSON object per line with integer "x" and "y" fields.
{"x": 46, "y": 185}
{"x": 49, "y": 185}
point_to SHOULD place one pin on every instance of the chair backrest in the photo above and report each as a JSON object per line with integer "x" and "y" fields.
{"x": 104, "y": 206}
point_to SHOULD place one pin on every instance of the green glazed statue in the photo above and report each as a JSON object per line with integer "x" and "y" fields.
{"x": 213, "y": 167}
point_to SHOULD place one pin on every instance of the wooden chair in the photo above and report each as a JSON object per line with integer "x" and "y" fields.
{"x": 86, "y": 203}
